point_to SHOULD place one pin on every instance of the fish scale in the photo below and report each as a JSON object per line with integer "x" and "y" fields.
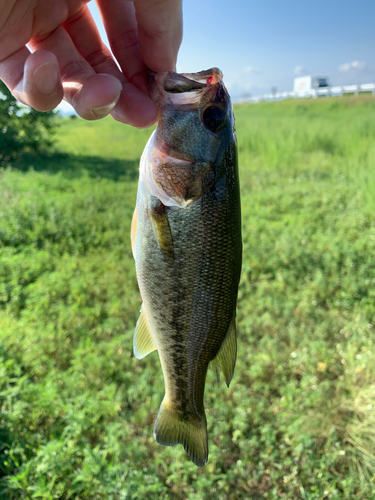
{"x": 188, "y": 255}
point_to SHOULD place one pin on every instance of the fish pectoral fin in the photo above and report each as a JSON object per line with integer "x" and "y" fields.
{"x": 143, "y": 343}
{"x": 226, "y": 357}
{"x": 171, "y": 429}
{"x": 162, "y": 231}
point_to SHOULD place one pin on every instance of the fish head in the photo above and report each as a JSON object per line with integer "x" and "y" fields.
{"x": 195, "y": 130}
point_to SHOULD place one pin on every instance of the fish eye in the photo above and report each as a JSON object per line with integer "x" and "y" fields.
{"x": 214, "y": 118}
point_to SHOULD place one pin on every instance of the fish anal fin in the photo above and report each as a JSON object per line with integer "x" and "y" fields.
{"x": 162, "y": 230}
{"x": 226, "y": 357}
{"x": 143, "y": 343}
{"x": 170, "y": 430}
{"x": 133, "y": 231}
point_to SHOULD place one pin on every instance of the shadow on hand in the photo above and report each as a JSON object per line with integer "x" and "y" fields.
{"x": 78, "y": 165}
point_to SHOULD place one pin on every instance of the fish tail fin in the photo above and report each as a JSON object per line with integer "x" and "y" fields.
{"x": 170, "y": 429}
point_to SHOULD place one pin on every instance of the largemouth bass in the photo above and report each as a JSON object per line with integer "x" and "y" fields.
{"x": 186, "y": 240}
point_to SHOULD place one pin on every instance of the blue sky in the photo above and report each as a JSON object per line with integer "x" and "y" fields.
{"x": 266, "y": 43}
{"x": 261, "y": 44}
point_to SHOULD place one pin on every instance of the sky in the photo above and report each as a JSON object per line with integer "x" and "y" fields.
{"x": 263, "y": 44}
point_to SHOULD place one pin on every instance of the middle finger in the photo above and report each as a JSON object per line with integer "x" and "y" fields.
{"x": 121, "y": 26}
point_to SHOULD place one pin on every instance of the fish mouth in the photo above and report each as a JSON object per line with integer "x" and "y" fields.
{"x": 209, "y": 77}
{"x": 189, "y": 82}
{"x": 184, "y": 88}
{"x": 175, "y": 83}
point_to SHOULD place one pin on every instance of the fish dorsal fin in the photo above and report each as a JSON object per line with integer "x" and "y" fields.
{"x": 143, "y": 343}
{"x": 162, "y": 232}
{"x": 226, "y": 357}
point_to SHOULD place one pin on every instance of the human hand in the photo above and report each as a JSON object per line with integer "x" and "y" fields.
{"x": 67, "y": 58}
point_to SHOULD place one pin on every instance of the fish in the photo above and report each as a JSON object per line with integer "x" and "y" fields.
{"x": 187, "y": 246}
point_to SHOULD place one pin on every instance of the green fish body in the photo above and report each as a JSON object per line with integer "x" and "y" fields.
{"x": 186, "y": 238}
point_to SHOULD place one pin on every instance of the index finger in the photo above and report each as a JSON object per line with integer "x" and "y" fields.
{"x": 159, "y": 32}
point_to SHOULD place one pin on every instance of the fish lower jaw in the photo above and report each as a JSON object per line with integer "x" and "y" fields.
{"x": 172, "y": 157}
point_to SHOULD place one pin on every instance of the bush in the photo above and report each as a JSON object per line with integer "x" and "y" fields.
{"x": 22, "y": 129}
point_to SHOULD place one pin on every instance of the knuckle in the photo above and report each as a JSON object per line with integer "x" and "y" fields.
{"x": 99, "y": 58}
{"x": 77, "y": 16}
{"x": 128, "y": 40}
{"x": 73, "y": 69}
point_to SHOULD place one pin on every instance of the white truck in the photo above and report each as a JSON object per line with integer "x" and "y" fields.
{"x": 305, "y": 86}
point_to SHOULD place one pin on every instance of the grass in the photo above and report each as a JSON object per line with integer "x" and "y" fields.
{"x": 77, "y": 409}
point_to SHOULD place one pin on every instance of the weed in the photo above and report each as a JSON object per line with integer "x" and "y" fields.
{"x": 77, "y": 409}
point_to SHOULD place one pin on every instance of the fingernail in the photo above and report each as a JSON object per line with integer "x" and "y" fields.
{"x": 46, "y": 77}
{"x": 104, "y": 110}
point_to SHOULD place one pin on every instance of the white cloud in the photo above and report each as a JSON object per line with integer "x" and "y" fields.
{"x": 345, "y": 67}
{"x": 359, "y": 64}
{"x": 300, "y": 71}
{"x": 251, "y": 69}
{"x": 356, "y": 65}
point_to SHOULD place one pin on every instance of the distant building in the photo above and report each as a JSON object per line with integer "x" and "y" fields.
{"x": 308, "y": 85}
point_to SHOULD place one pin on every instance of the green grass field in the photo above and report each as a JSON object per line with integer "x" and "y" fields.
{"x": 77, "y": 409}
